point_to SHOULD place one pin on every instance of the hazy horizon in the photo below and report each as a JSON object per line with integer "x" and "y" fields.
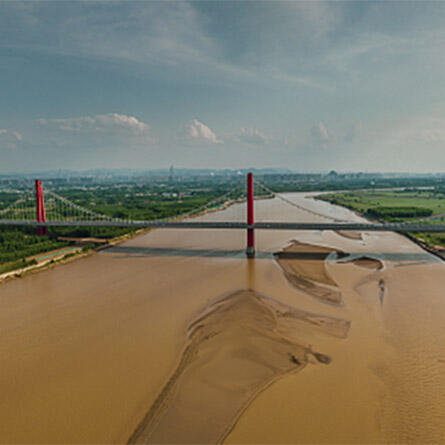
{"x": 184, "y": 171}
{"x": 309, "y": 86}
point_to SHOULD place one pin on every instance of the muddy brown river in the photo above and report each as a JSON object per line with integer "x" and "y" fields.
{"x": 174, "y": 337}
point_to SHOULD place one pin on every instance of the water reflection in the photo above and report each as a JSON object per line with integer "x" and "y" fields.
{"x": 411, "y": 258}
{"x": 250, "y": 273}
{"x": 140, "y": 251}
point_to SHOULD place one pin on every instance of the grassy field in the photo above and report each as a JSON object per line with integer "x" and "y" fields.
{"x": 396, "y": 205}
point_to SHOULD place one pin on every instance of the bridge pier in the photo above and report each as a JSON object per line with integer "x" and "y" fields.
{"x": 40, "y": 208}
{"x": 250, "y": 251}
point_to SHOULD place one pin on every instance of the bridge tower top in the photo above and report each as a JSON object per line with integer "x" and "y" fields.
{"x": 40, "y": 207}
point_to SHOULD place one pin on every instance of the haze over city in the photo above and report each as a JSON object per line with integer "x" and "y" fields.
{"x": 309, "y": 86}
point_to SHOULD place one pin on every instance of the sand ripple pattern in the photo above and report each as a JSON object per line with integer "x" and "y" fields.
{"x": 304, "y": 266}
{"x": 240, "y": 345}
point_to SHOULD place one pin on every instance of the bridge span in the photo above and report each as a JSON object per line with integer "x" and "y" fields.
{"x": 272, "y": 225}
{"x": 64, "y": 213}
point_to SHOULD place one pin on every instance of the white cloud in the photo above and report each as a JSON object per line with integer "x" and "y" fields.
{"x": 252, "y": 136}
{"x": 111, "y": 132}
{"x": 9, "y": 138}
{"x": 320, "y": 135}
{"x": 365, "y": 62}
{"x": 11, "y": 135}
{"x": 99, "y": 123}
{"x": 199, "y": 132}
{"x": 17, "y": 135}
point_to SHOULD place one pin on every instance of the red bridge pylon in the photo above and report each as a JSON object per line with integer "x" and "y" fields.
{"x": 40, "y": 208}
{"x": 250, "y": 251}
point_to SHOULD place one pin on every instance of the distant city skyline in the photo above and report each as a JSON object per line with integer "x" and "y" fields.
{"x": 309, "y": 86}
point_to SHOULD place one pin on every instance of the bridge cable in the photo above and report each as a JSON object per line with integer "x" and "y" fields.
{"x": 71, "y": 211}
{"x": 298, "y": 206}
{"x": 279, "y": 196}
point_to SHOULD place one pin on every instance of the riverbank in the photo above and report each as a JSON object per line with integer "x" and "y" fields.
{"x": 47, "y": 260}
{"x": 366, "y": 203}
{"x": 93, "y": 245}
{"x": 438, "y": 251}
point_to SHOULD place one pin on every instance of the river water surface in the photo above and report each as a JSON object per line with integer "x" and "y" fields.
{"x": 174, "y": 336}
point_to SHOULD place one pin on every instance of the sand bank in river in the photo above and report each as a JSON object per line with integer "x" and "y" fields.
{"x": 236, "y": 348}
{"x": 367, "y": 263}
{"x": 305, "y": 268}
{"x": 350, "y": 234}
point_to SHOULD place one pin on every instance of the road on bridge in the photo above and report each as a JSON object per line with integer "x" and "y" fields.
{"x": 365, "y": 227}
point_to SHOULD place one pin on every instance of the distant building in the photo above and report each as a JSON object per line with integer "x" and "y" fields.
{"x": 171, "y": 173}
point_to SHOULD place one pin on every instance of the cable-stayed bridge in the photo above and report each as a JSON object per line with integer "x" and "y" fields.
{"x": 33, "y": 209}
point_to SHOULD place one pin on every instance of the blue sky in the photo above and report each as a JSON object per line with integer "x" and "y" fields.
{"x": 311, "y": 86}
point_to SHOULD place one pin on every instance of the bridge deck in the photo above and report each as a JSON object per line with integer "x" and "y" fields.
{"x": 367, "y": 227}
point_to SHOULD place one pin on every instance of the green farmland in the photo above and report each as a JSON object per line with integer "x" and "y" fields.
{"x": 396, "y": 205}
